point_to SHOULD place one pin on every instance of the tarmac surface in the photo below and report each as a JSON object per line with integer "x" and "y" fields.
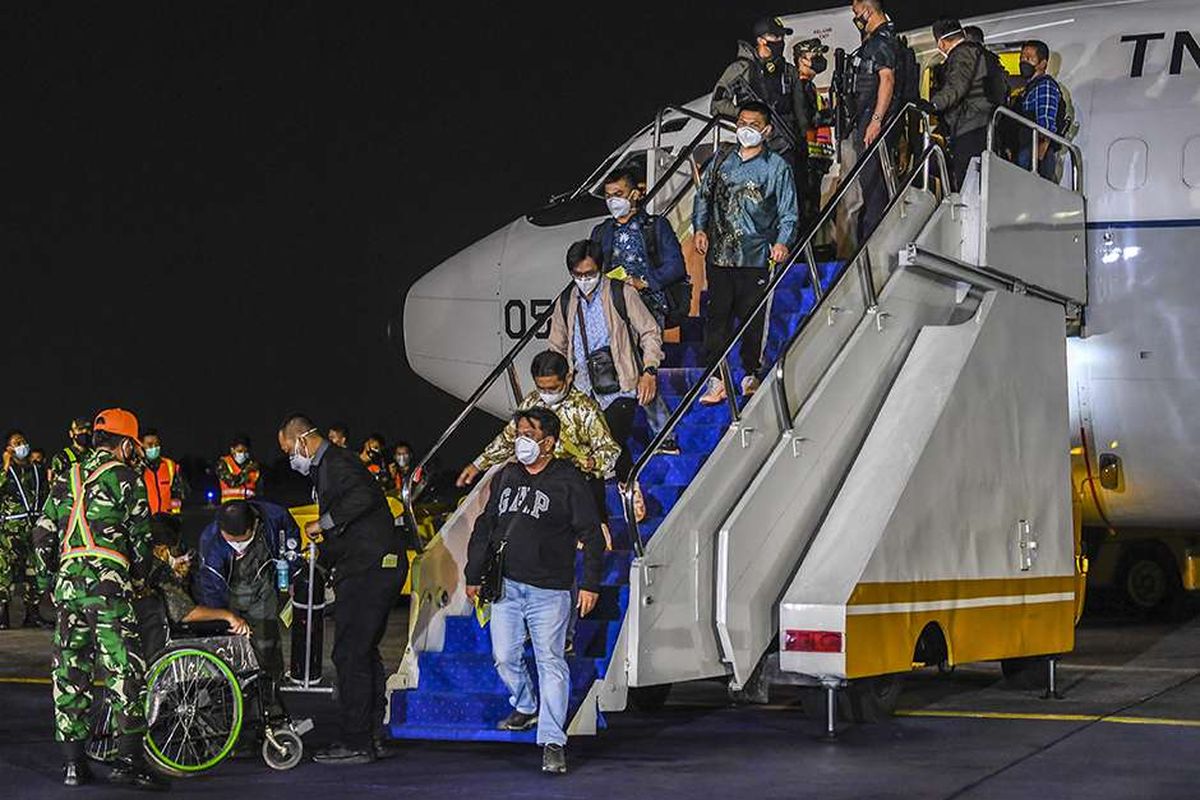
{"x": 1129, "y": 726}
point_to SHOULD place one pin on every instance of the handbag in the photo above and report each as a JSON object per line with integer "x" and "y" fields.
{"x": 491, "y": 584}
{"x": 602, "y": 369}
{"x": 679, "y": 303}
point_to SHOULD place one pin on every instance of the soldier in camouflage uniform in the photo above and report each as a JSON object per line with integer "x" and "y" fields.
{"x": 96, "y": 519}
{"x": 79, "y": 442}
{"x": 22, "y": 492}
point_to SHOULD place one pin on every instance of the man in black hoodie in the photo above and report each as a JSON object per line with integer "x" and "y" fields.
{"x": 538, "y": 511}
{"x": 962, "y": 102}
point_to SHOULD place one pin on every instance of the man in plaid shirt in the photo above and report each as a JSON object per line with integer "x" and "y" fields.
{"x": 1039, "y": 102}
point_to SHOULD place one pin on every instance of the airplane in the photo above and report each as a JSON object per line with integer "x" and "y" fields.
{"x": 1130, "y": 69}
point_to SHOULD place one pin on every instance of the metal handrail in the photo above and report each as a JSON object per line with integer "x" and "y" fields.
{"x": 411, "y": 492}
{"x": 1038, "y": 131}
{"x": 719, "y": 364}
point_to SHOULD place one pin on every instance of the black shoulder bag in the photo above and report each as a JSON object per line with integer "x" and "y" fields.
{"x": 491, "y": 584}
{"x": 602, "y": 369}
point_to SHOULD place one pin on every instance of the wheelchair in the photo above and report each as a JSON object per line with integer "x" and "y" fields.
{"x": 199, "y": 689}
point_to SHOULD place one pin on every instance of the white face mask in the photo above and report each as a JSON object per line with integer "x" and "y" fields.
{"x": 749, "y": 137}
{"x": 587, "y": 285}
{"x": 552, "y": 398}
{"x": 619, "y": 206}
{"x": 21, "y": 451}
{"x": 241, "y": 456}
{"x": 240, "y": 547}
{"x": 527, "y": 450}
{"x": 299, "y": 462}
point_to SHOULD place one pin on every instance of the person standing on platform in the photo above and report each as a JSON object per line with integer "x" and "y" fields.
{"x": 165, "y": 486}
{"x": 237, "y": 472}
{"x": 359, "y": 543}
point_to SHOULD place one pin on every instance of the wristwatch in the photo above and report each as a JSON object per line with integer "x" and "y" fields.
{"x": 651, "y": 371}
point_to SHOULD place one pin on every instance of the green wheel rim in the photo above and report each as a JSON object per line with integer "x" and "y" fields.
{"x": 156, "y": 671}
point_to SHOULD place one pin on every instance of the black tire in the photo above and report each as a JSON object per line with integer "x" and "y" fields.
{"x": 649, "y": 699}
{"x": 872, "y": 699}
{"x": 1151, "y": 583}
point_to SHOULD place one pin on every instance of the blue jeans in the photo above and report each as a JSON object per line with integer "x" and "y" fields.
{"x": 1047, "y": 166}
{"x": 546, "y": 613}
{"x": 657, "y": 413}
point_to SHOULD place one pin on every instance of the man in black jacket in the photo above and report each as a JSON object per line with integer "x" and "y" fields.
{"x": 962, "y": 102}
{"x": 538, "y": 511}
{"x": 360, "y": 545}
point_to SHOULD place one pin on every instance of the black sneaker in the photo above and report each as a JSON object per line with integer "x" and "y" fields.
{"x": 554, "y": 759}
{"x": 128, "y": 772}
{"x": 76, "y": 773}
{"x": 516, "y": 721}
{"x": 340, "y": 754}
{"x": 669, "y": 447}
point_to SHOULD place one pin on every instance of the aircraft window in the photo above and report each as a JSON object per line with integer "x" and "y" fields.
{"x": 1191, "y": 162}
{"x": 675, "y": 125}
{"x": 1127, "y": 164}
{"x": 635, "y": 160}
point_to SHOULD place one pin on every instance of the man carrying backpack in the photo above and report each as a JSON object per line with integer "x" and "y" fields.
{"x": 612, "y": 342}
{"x": 1041, "y": 101}
{"x": 967, "y": 97}
{"x": 643, "y": 251}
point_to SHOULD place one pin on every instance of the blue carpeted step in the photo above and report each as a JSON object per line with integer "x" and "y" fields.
{"x": 475, "y": 672}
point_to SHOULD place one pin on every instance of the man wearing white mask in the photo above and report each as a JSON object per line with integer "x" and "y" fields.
{"x": 745, "y": 220}
{"x": 521, "y": 559}
{"x": 23, "y": 490}
{"x": 237, "y": 472}
{"x": 612, "y": 342}
{"x": 359, "y": 544}
{"x": 584, "y": 440}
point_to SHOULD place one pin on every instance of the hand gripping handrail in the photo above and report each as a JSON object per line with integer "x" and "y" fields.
{"x": 411, "y": 491}
{"x": 877, "y": 150}
{"x": 1038, "y": 132}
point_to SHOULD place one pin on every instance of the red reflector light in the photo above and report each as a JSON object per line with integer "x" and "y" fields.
{"x": 812, "y": 641}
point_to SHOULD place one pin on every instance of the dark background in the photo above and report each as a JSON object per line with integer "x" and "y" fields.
{"x": 212, "y": 211}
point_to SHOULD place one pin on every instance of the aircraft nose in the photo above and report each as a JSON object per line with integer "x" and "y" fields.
{"x": 451, "y": 318}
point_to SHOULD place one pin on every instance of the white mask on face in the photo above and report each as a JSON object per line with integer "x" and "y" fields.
{"x": 240, "y": 457}
{"x": 749, "y": 137}
{"x": 240, "y": 547}
{"x": 299, "y": 462}
{"x": 619, "y": 206}
{"x": 552, "y": 398}
{"x": 587, "y": 285}
{"x": 21, "y": 451}
{"x": 527, "y": 450}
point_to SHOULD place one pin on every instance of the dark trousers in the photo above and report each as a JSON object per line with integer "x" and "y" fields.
{"x": 732, "y": 294}
{"x": 619, "y": 416}
{"x": 360, "y": 619}
{"x": 963, "y": 148}
{"x": 874, "y": 189}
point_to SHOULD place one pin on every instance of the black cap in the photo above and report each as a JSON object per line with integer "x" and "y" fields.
{"x": 235, "y": 518}
{"x": 771, "y": 26}
{"x": 946, "y": 27}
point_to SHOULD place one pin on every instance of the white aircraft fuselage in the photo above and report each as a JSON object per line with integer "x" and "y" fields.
{"x": 1132, "y": 71}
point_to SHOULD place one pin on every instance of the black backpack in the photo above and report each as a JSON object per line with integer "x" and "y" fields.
{"x": 995, "y": 78}
{"x": 678, "y": 294}
{"x": 1062, "y": 120}
{"x": 908, "y": 74}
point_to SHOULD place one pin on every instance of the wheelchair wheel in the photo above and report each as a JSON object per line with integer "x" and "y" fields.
{"x": 286, "y": 750}
{"x": 102, "y": 744}
{"x": 194, "y": 709}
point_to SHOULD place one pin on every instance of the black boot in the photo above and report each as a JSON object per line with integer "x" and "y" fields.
{"x": 75, "y": 767}
{"x": 4, "y": 616}
{"x": 130, "y": 767}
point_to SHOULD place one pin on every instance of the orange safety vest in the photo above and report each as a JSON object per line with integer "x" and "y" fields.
{"x": 243, "y": 492}
{"x": 158, "y": 487}
{"x": 78, "y": 541}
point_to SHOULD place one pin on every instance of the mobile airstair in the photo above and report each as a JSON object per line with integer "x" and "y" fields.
{"x": 896, "y": 493}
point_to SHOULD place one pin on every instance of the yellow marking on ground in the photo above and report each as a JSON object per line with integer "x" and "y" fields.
{"x": 38, "y": 681}
{"x": 1164, "y": 721}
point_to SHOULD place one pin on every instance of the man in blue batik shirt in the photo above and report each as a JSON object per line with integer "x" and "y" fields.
{"x": 643, "y": 251}
{"x": 745, "y": 220}
{"x": 1039, "y": 102}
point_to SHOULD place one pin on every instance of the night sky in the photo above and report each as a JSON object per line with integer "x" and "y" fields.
{"x": 213, "y": 210}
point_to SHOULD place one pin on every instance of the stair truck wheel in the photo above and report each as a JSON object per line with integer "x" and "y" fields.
{"x": 283, "y": 749}
{"x": 649, "y": 699}
{"x": 872, "y": 699}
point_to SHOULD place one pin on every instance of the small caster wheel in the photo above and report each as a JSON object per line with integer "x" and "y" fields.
{"x": 282, "y": 749}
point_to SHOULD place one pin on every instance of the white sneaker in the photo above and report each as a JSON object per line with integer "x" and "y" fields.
{"x": 715, "y": 394}
{"x": 750, "y": 385}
